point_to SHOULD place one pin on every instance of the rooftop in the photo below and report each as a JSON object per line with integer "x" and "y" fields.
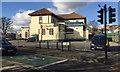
{"x": 45, "y": 11}
{"x": 73, "y": 15}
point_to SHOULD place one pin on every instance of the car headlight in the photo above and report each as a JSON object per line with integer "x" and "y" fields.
{"x": 0, "y": 48}
{"x": 92, "y": 44}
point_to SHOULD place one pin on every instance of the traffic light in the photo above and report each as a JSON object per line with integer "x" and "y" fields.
{"x": 111, "y": 14}
{"x": 100, "y": 16}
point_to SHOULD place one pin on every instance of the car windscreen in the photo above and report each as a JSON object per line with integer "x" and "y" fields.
{"x": 99, "y": 39}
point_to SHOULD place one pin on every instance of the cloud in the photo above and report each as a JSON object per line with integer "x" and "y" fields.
{"x": 65, "y": 6}
{"x": 21, "y": 19}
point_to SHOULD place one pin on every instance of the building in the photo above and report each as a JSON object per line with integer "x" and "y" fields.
{"x": 50, "y": 27}
{"x": 111, "y": 28}
{"x": 113, "y": 32}
{"x": 23, "y": 34}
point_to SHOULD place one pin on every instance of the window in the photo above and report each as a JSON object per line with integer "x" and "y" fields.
{"x": 43, "y": 31}
{"x": 69, "y": 31}
{"x": 51, "y": 31}
{"x": 25, "y": 34}
{"x": 53, "y": 20}
{"x": 20, "y": 35}
{"x": 40, "y": 20}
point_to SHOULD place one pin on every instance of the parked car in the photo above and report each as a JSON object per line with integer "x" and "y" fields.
{"x": 98, "y": 42}
{"x": 8, "y": 38}
{"x": 32, "y": 38}
{"x": 7, "y": 48}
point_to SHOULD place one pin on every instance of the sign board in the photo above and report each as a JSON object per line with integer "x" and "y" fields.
{"x": 66, "y": 43}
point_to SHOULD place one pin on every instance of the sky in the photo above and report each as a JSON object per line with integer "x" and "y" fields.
{"x": 18, "y": 11}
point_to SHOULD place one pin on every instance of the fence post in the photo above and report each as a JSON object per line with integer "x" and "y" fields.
{"x": 47, "y": 44}
{"x": 39, "y": 44}
{"x": 62, "y": 45}
{"x": 57, "y": 45}
{"x": 69, "y": 46}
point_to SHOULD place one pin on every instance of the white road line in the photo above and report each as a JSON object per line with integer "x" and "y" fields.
{"x": 8, "y": 67}
{"x": 53, "y": 63}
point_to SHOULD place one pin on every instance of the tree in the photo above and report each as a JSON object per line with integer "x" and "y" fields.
{"x": 5, "y": 25}
{"x": 94, "y": 26}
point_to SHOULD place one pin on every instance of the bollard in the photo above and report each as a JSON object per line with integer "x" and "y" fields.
{"x": 69, "y": 46}
{"x": 57, "y": 45}
{"x": 39, "y": 44}
{"x": 47, "y": 44}
{"x": 62, "y": 45}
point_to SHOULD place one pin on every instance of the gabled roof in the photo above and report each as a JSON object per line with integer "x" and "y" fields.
{"x": 73, "y": 15}
{"x": 43, "y": 11}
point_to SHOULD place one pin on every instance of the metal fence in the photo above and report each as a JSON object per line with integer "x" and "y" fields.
{"x": 68, "y": 45}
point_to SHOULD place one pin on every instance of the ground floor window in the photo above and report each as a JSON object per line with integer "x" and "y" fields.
{"x": 69, "y": 31}
{"x": 51, "y": 32}
{"x": 20, "y": 35}
{"x": 25, "y": 34}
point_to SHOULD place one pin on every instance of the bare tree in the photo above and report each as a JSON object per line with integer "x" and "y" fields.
{"x": 94, "y": 26}
{"x": 5, "y": 25}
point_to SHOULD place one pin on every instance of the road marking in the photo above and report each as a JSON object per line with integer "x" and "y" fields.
{"x": 53, "y": 63}
{"x": 8, "y": 67}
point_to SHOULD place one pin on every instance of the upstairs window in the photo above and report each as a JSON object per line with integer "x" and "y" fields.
{"x": 52, "y": 19}
{"x": 51, "y": 31}
{"x": 40, "y": 20}
{"x": 43, "y": 31}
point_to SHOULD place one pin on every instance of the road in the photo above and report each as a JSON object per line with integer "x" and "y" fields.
{"x": 79, "y": 57}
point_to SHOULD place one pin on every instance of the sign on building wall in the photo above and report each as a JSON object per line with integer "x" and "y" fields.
{"x": 66, "y": 43}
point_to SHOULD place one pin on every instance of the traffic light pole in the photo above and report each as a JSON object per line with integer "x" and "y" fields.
{"x": 105, "y": 12}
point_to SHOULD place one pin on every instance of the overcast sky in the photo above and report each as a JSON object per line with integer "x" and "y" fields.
{"x": 18, "y": 11}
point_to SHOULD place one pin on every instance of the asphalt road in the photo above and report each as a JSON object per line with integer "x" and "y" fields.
{"x": 79, "y": 57}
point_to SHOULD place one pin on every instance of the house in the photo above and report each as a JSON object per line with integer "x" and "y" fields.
{"x": 23, "y": 34}
{"x": 113, "y": 32}
{"x": 110, "y": 28}
{"x": 51, "y": 27}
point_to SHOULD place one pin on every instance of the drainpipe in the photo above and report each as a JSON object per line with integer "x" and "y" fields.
{"x": 41, "y": 33}
{"x": 84, "y": 29}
